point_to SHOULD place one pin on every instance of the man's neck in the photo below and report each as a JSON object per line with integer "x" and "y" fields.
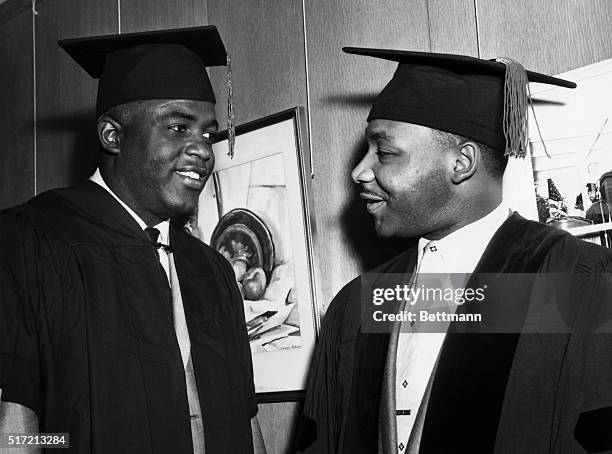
{"x": 143, "y": 222}
{"x": 119, "y": 191}
{"x": 463, "y": 248}
{"x": 468, "y": 213}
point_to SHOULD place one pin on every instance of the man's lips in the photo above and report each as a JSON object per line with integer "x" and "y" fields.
{"x": 370, "y": 196}
{"x": 373, "y": 200}
{"x": 193, "y": 176}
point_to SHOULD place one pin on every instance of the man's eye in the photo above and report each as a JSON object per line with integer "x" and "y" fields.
{"x": 208, "y": 136}
{"x": 178, "y": 128}
{"x": 383, "y": 154}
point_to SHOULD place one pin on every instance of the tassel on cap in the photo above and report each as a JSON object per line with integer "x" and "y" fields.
{"x": 516, "y": 125}
{"x": 231, "y": 128}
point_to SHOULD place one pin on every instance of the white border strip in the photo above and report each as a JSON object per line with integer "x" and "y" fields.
{"x": 308, "y": 127}
{"x": 34, "y": 101}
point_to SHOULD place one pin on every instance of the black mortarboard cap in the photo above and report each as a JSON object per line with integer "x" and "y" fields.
{"x": 164, "y": 64}
{"x": 483, "y": 100}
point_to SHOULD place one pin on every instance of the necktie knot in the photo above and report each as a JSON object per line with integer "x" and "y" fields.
{"x": 153, "y": 234}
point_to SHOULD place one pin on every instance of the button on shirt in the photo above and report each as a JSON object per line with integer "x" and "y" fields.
{"x": 458, "y": 252}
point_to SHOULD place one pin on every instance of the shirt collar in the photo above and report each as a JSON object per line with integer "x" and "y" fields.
{"x": 462, "y": 249}
{"x": 163, "y": 226}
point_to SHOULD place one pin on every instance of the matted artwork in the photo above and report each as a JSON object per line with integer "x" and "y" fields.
{"x": 568, "y": 174}
{"x": 254, "y": 211}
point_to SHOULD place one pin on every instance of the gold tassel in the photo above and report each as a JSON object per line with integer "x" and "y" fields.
{"x": 516, "y": 125}
{"x": 231, "y": 128}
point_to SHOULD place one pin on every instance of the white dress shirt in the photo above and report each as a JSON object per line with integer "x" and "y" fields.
{"x": 417, "y": 352}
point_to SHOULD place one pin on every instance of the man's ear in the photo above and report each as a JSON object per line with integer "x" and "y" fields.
{"x": 109, "y": 132}
{"x": 467, "y": 158}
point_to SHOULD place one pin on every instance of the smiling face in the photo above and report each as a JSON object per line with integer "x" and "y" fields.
{"x": 405, "y": 181}
{"x": 163, "y": 157}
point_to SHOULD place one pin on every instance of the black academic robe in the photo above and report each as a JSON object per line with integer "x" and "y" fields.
{"x": 502, "y": 393}
{"x": 86, "y": 330}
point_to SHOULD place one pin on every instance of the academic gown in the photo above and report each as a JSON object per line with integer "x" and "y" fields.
{"x": 86, "y": 331}
{"x": 501, "y": 393}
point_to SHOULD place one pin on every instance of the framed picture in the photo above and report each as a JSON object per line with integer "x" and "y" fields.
{"x": 254, "y": 210}
{"x": 568, "y": 174}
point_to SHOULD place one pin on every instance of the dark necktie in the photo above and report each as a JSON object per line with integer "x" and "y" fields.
{"x": 197, "y": 427}
{"x": 153, "y": 235}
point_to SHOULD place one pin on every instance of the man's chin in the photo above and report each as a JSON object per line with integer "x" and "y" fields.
{"x": 389, "y": 230}
{"x": 382, "y": 229}
{"x": 182, "y": 209}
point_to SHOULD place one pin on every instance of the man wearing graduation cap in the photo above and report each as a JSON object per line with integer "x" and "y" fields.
{"x": 439, "y": 136}
{"x": 118, "y": 327}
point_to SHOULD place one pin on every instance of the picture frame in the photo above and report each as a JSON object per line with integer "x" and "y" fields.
{"x": 255, "y": 211}
{"x": 566, "y": 178}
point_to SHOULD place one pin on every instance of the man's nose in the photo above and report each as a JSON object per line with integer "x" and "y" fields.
{"x": 363, "y": 173}
{"x": 201, "y": 149}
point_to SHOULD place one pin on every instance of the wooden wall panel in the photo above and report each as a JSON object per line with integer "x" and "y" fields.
{"x": 266, "y": 44}
{"x": 16, "y": 111}
{"x": 143, "y": 15}
{"x": 342, "y": 88}
{"x": 67, "y": 142}
{"x": 552, "y": 36}
{"x": 278, "y": 425}
{"x": 452, "y": 26}
{"x": 12, "y": 8}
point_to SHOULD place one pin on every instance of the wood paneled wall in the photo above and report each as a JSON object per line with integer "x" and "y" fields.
{"x": 143, "y": 15}
{"x": 551, "y": 36}
{"x": 275, "y": 66}
{"x": 452, "y": 27}
{"x": 16, "y": 111}
{"x": 67, "y": 146}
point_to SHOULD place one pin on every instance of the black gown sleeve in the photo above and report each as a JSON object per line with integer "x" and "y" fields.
{"x": 318, "y": 427}
{"x": 247, "y": 361}
{"x": 242, "y": 340}
{"x": 28, "y": 270}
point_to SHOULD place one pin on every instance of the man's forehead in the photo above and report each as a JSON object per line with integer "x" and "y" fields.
{"x": 183, "y": 104}
{"x": 188, "y": 109}
{"x": 391, "y": 129}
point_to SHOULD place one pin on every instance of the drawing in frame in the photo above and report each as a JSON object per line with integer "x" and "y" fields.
{"x": 254, "y": 210}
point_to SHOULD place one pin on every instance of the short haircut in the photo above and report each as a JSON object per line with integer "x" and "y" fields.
{"x": 494, "y": 160}
{"x": 123, "y": 113}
